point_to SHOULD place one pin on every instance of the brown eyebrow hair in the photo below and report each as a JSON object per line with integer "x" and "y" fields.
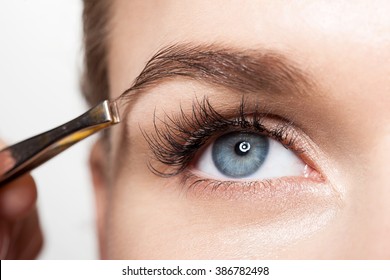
{"x": 241, "y": 70}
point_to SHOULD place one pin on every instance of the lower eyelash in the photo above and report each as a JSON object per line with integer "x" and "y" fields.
{"x": 193, "y": 182}
{"x": 199, "y": 187}
{"x": 177, "y": 139}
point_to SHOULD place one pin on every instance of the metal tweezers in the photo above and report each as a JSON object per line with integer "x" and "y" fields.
{"x": 24, "y": 156}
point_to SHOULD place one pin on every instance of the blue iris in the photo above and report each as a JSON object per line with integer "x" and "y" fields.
{"x": 239, "y": 154}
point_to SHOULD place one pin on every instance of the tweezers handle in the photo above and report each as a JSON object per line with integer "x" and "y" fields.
{"x": 24, "y": 156}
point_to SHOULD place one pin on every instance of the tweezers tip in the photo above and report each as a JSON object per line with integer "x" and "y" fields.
{"x": 114, "y": 112}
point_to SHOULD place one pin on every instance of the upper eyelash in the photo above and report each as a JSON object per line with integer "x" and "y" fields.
{"x": 175, "y": 143}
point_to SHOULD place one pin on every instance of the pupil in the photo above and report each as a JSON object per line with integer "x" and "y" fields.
{"x": 242, "y": 148}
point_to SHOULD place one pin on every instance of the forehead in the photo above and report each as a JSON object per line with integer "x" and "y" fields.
{"x": 246, "y": 20}
{"x": 335, "y": 40}
{"x": 314, "y": 32}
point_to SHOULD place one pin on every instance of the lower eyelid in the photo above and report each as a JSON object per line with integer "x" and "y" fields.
{"x": 259, "y": 202}
{"x": 196, "y": 185}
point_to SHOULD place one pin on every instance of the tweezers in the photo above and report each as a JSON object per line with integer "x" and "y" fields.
{"x": 24, "y": 156}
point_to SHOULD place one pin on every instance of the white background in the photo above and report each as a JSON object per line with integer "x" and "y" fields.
{"x": 40, "y": 68}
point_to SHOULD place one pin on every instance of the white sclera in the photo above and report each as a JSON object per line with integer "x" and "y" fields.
{"x": 280, "y": 162}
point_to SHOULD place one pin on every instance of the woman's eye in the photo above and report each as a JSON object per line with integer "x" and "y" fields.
{"x": 247, "y": 155}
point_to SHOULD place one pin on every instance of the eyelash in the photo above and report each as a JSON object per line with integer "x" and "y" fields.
{"x": 177, "y": 140}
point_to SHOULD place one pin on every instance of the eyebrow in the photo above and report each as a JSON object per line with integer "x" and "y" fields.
{"x": 242, "y": 70}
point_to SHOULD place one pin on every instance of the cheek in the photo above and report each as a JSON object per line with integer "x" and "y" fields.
{"x": 154, "y": 218}
{"x": 146, "y": 223}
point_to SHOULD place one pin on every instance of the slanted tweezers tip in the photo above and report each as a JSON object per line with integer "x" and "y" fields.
{"x": 114, "y": 112}
{"x": 28, "y": 154}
